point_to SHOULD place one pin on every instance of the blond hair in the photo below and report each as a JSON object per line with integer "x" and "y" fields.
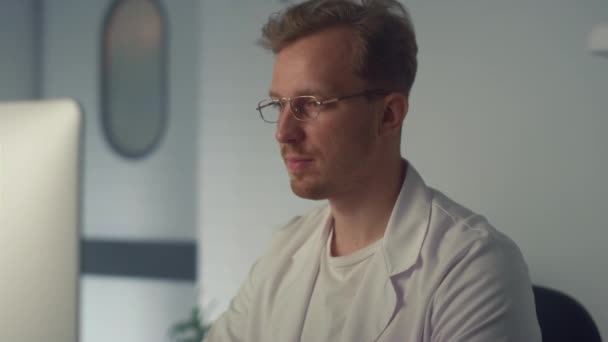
{"x": 386, "y": 49}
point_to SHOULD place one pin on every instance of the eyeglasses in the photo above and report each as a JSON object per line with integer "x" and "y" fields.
{"x": 303, "y": 108}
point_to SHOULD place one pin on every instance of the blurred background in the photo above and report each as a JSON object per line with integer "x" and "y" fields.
{"x": 508, "y": 116}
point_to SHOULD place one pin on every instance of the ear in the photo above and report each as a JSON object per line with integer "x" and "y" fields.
{"x": 395, "y": 108}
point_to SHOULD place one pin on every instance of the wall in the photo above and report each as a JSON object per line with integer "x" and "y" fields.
{"x": 147, "y": 200}
{"x": 507, "y": 117}
{"x": 18, "y": 62}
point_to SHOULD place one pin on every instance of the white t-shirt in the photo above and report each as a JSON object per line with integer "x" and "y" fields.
{"x": 335, "y": 287}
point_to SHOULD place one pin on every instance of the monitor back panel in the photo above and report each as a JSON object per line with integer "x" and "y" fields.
{"x": 39, "y": 219}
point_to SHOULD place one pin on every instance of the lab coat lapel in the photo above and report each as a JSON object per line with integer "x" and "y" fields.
{"x": 293, "y": 301}
{"x": 373, "y": 306}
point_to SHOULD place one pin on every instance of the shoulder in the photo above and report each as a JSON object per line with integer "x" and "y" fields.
{"x": 462, "y": 245}
{"x": 478, "y": 272}
{"x": 457, "y": 230}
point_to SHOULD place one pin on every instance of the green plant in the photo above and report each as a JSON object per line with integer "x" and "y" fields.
{"x": 193, "y": 329}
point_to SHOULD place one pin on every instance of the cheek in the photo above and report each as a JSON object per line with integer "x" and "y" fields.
{"x": 345, "y": 139}
{"x": 323, "y": 140}
{"x": 359, "y": 132}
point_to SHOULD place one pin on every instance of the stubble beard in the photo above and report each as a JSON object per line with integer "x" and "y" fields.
{"x": 324, "y": 181}
{"x": 305, "y": 187}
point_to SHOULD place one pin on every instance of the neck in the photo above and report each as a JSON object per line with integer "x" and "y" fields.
{"x": 361, "y": 216}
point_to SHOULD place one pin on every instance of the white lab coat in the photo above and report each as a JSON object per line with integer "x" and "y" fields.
{"x": 442, "y": 273}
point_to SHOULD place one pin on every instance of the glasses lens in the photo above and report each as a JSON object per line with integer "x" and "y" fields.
{"x": 304, "y": 107}
{"x": 269, "y": 110}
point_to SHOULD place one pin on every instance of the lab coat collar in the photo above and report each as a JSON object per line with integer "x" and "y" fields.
{"x": 408, "y": 224}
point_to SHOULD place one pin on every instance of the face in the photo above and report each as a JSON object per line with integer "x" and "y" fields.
{"x": 333, "y": 154}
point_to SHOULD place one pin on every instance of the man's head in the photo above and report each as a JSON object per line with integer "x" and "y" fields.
{"x": 332, "y": 49}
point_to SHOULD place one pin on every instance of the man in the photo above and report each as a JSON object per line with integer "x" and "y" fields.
{"x": 388, "y": 258}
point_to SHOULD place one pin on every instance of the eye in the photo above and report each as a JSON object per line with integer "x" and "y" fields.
{"x": 311, "y": 104}
{"x": 305, "y": 105}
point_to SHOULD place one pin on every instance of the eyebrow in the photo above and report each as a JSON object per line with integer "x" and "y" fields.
{"x": 303, "y": 92}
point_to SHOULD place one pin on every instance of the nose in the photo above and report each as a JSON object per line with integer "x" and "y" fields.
{"x": 289, "y": 129}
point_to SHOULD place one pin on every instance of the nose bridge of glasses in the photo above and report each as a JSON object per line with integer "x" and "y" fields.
{"x": 288, "y": 126}
{"x": 284, "y": 111}
{"x": 279, "y": 107}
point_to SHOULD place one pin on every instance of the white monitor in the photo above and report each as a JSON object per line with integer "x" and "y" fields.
{"x": 39, "y": 219}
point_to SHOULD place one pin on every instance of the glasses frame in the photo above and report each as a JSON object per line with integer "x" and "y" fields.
{"x": 281, "y": 101}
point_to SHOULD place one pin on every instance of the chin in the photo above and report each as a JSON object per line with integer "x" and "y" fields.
{"x": 308, "y": 191}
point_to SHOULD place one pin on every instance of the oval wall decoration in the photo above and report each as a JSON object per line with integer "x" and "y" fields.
{"x": 134, "y": 76}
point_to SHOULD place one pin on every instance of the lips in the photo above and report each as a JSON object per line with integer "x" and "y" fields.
{"x": 297, "y": 164}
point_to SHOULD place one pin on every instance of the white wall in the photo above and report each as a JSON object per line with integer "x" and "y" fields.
{"x": 18, "y": 45}
{"x": 149, "y": 199}
{"x": 507, "y": 117}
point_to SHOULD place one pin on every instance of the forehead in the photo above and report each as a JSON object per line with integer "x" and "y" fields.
{"x": 321, "y": 62}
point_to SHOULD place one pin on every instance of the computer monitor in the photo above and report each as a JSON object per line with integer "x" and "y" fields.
{"x": 39, "y": 220}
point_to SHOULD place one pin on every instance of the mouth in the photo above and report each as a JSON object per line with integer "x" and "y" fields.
{"x": 297, "y": 164}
